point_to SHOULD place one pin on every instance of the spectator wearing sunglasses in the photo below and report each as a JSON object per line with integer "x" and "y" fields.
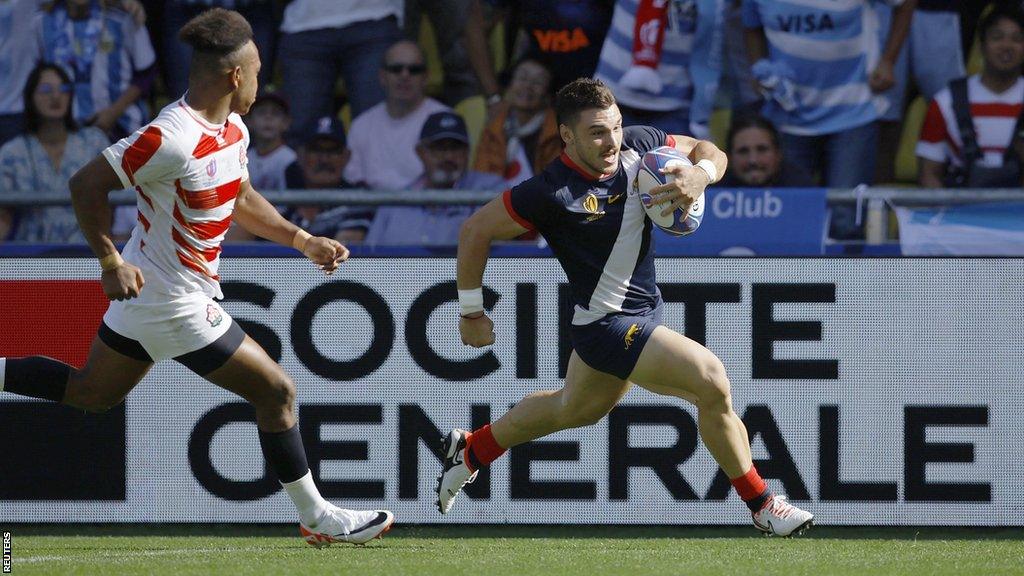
{"x": 44, "y": 157}
{"x": 383, "y": 139}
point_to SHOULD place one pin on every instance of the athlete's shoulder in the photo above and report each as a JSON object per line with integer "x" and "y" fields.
{"x": 643, "y": 138}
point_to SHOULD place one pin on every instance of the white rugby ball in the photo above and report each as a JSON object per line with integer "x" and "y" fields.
{"x": 680, "y": 222}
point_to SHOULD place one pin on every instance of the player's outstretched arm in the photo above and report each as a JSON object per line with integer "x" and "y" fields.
{"x": 490, "y": 223}
{"x": 256, "y": 215}
{"x": 89, "y": 188}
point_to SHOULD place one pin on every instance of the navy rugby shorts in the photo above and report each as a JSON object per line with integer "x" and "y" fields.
{"x": 613, "y": 343}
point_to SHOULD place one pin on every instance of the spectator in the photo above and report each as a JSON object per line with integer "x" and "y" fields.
{"x": 321, "y": 38}
{"x": 109, "y": 57}
{"x": 755, "y": 157}
{"x": 444, "y": 150}
{"x": 18, "y": 53}
{"x": 261, "y": 14}
{"x": 42, "y": 159}
{"x": 826, "y": 108}
{"x": 655, "y": 55}
{"x": 933, "y": 57}
{"x": 565, "y": 35}
{"x": 448, "y": 19}
{"x": 737, "y": 86}
{"x": 523, "y": 135}
{"x": 991, "y": 104}
{"x": 321, "y": 165}
{"x": 268, "y": 120}
{"x": 382, "y": 139}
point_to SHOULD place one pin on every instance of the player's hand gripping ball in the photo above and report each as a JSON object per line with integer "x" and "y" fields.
{"x": 682, "y": 221}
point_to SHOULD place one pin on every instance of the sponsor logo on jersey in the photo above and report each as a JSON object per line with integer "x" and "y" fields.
{"x": 211, "y": 168}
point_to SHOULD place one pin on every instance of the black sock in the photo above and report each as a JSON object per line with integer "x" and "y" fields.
{"x": 474, "y": 462}
{"x": 756, "y": 504}
{"x": 285, "y": 454}
{"x": 37, "y": 377}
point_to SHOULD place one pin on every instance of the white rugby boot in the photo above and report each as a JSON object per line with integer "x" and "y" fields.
{"x": 454, "y": 472}
{"x": 780, "y": 518}
{"x": 349, "y": 526}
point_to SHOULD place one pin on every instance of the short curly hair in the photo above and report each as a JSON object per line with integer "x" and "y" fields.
{"x": 216, "y": 32}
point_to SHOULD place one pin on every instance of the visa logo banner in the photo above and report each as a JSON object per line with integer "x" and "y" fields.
{"x": 755, "y": 222}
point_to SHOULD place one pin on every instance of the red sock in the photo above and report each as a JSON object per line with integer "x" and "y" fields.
{"x": 482, "y": 448}
{"x": 751, "y": 489}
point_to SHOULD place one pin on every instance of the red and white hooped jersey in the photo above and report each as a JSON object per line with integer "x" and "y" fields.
{"x": 186, "y": 173}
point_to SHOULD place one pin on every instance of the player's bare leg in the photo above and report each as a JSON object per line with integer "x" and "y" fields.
{"x": 107, "y": 377}
{"x": 674, "y": 365}
{"x": 588, "y": 395}
{"x": 254, "y": 376}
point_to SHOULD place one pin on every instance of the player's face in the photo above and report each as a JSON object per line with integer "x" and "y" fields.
{"x": 528, "y": 88}
{"x": 596, "y": 139}
{"x": 1003, "y": 48}
{"x": 754, "y": 159}
{"x": 444, "y": 161}
{"x": 245, "y": 94}
{"x": 51, "y": 97}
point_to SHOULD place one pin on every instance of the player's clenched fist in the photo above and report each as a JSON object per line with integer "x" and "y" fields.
{"x": 326, "y": 253}
{"x": 477, "y": 331}
{"x": 123, "y": 282}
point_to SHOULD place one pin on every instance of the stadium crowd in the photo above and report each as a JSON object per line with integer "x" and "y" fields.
{"x": 456, "y": 94}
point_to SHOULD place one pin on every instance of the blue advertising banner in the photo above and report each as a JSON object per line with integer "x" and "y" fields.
{"x": 754, "y": 221}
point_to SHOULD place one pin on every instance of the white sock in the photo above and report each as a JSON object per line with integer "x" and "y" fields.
{"x": 308, "y": 501}
{"x": 3, "y": 372}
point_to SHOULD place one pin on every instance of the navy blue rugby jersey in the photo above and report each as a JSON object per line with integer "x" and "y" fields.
{"x": 597, "y": 228}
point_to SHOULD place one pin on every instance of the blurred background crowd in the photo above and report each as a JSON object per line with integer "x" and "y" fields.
{"x": 456, "y": 94}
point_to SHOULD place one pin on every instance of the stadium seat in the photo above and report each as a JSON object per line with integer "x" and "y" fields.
{"x": 435, "y": 72}
{"x": 345, "y": 115}
{"x": 906, "y": 160}
{"x": 718, "y": 126}
{"x": 474, "y": 111}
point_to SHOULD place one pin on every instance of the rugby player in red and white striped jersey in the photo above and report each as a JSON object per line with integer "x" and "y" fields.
{"x": 188, "y": 168}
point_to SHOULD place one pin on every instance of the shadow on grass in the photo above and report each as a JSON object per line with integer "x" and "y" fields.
{"x": 429, "y": 531}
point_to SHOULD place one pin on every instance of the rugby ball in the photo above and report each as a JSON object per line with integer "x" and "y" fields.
{"x": 680, "y": 222}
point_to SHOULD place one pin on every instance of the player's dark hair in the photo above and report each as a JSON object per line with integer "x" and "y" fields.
{"x": 214, "y": 35}
{"x": 579, "y": 95}
{"x": 1010, "y": 13}
{"x": 33, "y": 120}
{"x": 744, "y": 121}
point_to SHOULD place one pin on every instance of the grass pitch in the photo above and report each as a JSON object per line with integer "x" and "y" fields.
{"x": 514, "y": 550}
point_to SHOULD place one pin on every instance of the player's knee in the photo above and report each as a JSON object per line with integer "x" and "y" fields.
{"x": 715, "y": 390}
{"x": 586, "y": 415}
{"x": 97, "y": 403}
{"x": 281, "y": 392}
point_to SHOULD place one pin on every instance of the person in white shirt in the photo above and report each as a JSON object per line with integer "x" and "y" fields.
{"x": 188, "y": 167}
{"x": 383, "y": 139}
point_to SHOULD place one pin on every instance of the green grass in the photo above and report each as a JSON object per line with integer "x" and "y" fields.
{"x": 515, "y": 550}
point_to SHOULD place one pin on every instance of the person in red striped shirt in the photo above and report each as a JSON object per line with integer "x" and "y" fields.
{"x": 188, "y": 168}
{"x": 996, "y": 101}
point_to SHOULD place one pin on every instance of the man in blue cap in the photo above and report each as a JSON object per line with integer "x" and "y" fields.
{"x": 444, "y": 150}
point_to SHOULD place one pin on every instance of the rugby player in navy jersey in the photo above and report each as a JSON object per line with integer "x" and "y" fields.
{"x": 583, "y": 205}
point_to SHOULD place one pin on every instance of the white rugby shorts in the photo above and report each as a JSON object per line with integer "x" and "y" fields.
{"x": 168, "y": 326}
